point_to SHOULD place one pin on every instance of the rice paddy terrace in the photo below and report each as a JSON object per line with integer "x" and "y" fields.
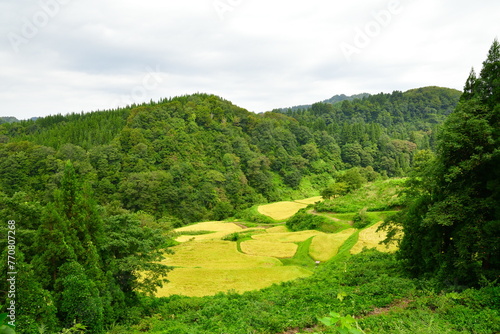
{"x": 214, "y": 257}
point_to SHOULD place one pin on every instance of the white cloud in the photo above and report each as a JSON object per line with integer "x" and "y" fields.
{"x": 258, "y": 54}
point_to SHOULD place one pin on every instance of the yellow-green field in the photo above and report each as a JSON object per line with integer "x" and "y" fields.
{"x": 267, "y": 248}
{"x": 286, "y": 209}
{"x": 277, "y": 229}
{"x": 206, "y": 265}
{"x": 198, "y": 282}
{"x": 325, "y": 246}
{"x": 370, "y": 238}
{"x": 287, "y": 236}
{"x": 215, "y": 254}
{"x": 220, "y": 230}
{"x": 280, "y": 210}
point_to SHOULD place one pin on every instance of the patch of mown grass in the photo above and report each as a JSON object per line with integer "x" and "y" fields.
{"x": 344, "y": 249}
{"x": 343, "y": 217}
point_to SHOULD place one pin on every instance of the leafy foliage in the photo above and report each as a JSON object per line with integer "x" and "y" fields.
{"x": 452, "y": 225}
{"x": 73, "y": 268}
{"x": 199, "y": 157}
{"x": 302, "y": 221}
{"x": 362, "y": 220}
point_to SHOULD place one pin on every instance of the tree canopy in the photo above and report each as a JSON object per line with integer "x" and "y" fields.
{"x": 452, "y": 226}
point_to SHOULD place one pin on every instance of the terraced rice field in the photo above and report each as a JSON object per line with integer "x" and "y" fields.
{"x": 325, "y": 246}
{"x": 277, "y": 229}
{"x": 311, "y": 200}
{"x": 215, "y": 254}
{"x": 205, "y": 265}
{"x": 370, "y": 238}
{"x": 219, "y": 230}
{"x": 287, "y": 236}
{"x": 281, "y": 210}
{"x": 199, "y": 282}
{"x": 280, "y": 250}
{"x": 286, "y": 209}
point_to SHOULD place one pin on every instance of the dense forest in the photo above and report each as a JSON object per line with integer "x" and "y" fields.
{"x": 199, "y": 157}
{"x": 91, "y": 195}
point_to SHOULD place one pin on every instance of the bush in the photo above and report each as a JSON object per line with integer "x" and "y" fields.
{"x": 232, "y": 237}
{"x": 362, "y": 220}
{"x": 303, "y": 221}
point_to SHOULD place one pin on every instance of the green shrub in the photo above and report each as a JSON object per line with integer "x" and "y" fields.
{"x": 303, "y": 221}
{"x": 362, "y": 220}
{"x": 232, "y": 237}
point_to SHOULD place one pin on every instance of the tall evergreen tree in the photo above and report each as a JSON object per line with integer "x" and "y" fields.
{"x": 452, "y": 228}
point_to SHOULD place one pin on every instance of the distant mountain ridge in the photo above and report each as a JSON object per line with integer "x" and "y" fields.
{"x": 8, "y": 119}
{"x": 332, "y": 100}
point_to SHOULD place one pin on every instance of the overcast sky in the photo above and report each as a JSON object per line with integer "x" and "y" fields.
{"x": 61, "y": 56}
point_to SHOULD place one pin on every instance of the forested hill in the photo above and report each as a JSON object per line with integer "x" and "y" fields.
{"x": 200, "y": 157}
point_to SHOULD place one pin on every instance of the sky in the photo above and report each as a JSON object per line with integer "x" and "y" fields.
{"x": 63, "y": 56}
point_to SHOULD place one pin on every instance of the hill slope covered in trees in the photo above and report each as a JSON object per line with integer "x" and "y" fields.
{"x": 200, "y": 157}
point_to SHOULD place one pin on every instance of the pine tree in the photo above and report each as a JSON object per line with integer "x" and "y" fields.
{"x": 452, "y": 228}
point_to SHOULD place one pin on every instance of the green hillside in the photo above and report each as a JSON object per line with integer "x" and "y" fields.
{"x": 200, "y": 157}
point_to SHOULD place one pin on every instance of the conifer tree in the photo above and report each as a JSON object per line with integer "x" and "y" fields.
{"x": 451, "y": 230}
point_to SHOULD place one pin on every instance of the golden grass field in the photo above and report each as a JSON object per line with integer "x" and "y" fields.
{"x": 220, "y": 230}
{"x": 325, "y": 246}
{"x": 277, "y": 229}
{"x": 370, "y": 238}
{"x": 281, "y": 210}
{"x": 287, "y": 236}
{"x": 199, "y": 282}
{"x": 267, "y": 248}
{"x": 207, "y": 267}
{"x": 286, "y": 209}
{"x": 216, "y": 254}
{"x": 205, "y": 264}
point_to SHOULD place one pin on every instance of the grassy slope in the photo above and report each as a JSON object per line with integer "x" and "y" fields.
{"x": 368, "y": 286}
{"x": 209, "y": 265}
{"x": 376, "y": 196}
{"x": 374, "y": 292}
{"x": 206, "y": 265}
